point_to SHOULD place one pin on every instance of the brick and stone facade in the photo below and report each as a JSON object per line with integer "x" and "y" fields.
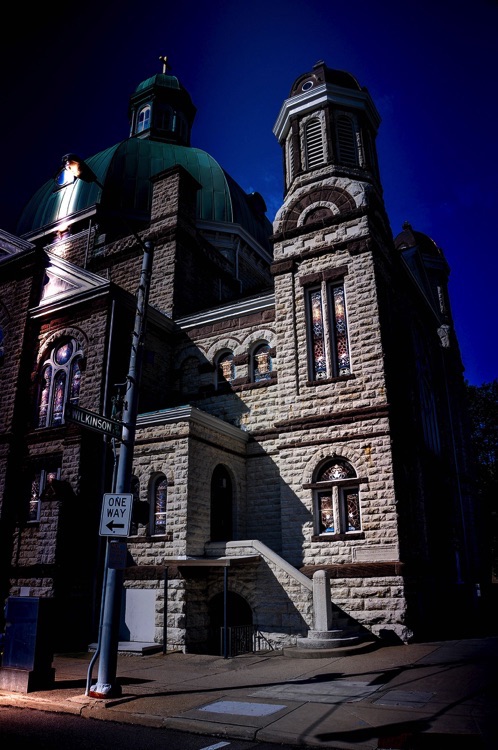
{"x": 241, "y": 452}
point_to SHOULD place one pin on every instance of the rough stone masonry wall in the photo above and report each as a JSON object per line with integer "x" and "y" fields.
{"x": 347, "y": 416}
{"x": 205, "y": 453}
{"x": 14, "y": 302}
{"x": 162, "y": 449}
{"x": 253, "y": 407}
{"x": 35, "y": 547}
{"x": 13, "y": 310}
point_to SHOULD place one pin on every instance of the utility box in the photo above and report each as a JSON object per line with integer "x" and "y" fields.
{"x": 28, "y": 651}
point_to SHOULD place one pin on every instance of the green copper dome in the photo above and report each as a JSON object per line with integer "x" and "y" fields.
{"x": 160, "y": 79}
{"x": 161, "y": 114}
{"x": 124, "y": 174}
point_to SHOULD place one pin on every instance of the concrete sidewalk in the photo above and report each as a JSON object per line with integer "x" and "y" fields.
{"x": 411, "y": 697}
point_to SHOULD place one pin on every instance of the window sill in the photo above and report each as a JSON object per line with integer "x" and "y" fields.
{"x": 325, "y": 381}
{"x": 338, "y": 537}
{"x": 253, "y": 386}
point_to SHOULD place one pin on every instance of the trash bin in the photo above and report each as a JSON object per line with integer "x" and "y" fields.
{"x": 28, "y": 651}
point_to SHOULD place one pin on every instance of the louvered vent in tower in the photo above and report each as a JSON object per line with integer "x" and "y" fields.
{"x": 314, "y": 144}
{"x": 348, "y": 153}
{"x": 290, "y": 161}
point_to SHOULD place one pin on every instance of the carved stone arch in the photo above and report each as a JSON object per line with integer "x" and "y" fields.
{"x": 327, "y": 195}
{"x": 188, "y": 353}
{"x": 341, "y": 462}
{"x": 318, "y": 460}
{"x": 258, "y": 337}
{"x": 230, "y": 343}
{"x": 317, "y": 212}
{"x": 63, "y": 333}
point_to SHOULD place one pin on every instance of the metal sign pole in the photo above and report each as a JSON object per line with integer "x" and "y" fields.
{"x": 107, "y": 685}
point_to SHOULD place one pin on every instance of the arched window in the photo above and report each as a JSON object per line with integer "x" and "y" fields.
{"x": 328, "y": 339}
{"x": 313, "y": 142}
{"x": 159, "y": 492}
{"x": 261, "y": 363}
{"x": 59, "y": 383}
{"x": 346, "y": 141}
{"x": 337, "y": 498}
{"x": 221, "y": 505}
{"x": 225, "y": 369}
{"x": 143, "y": 119}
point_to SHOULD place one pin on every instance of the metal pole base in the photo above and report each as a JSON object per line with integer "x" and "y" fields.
{"x": 102, "y": 690}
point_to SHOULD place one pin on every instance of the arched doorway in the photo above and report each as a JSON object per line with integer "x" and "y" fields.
{"x": 239, "y": 623}
{"x": 221, "y": 506}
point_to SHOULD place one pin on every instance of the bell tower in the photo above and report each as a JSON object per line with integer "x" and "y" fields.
{"x": 331, "y": 235}
{"x": 332, "y": 258}
{"x": 326, "y": 127}
{"x": 161, "y": 109}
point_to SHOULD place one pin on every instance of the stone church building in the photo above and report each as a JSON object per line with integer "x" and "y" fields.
{"x": 301, "y": 390}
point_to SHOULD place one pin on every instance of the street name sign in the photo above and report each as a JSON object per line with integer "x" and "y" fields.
{"x": 93, "y": 421}
{"x": 115, "y": 519}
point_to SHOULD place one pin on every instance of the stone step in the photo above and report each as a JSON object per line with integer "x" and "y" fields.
{"x": 360, "y": 647}
{"x": 335, "y": 639}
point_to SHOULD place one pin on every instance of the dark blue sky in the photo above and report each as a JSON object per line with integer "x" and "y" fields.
{"x": 431, "y": 68}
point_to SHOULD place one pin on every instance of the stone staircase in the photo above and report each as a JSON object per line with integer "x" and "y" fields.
{"x": 334, "y": 633}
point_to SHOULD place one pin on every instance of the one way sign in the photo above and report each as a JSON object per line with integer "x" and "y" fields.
{"x": 116, "y": 514}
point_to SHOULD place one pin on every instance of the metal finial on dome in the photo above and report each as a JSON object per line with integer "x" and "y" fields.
{"x": 166, "y": 65}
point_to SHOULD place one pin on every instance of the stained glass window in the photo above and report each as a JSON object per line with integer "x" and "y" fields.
{"x": 352, "y": 506}
{"x": 328, "y": 333}
{"x": 60, "y": 382}
{"x": 46, "y": 382}
{"x": 75, "y": 381}
{"x": 341, "y": 346}
{"x": 261, "y": 363}
{"x": 338, "y": 469}
{"x": 226, "y": 368}
{"x": 337, "y": 505}
{"x": 326, "y": 513}
{"x": 318, "y": 336}
{"x": 160, "y": 495}
{"x": 40, "y": 481}
{"x": 62, "y": 355}
{"x": 58, "y": 397}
